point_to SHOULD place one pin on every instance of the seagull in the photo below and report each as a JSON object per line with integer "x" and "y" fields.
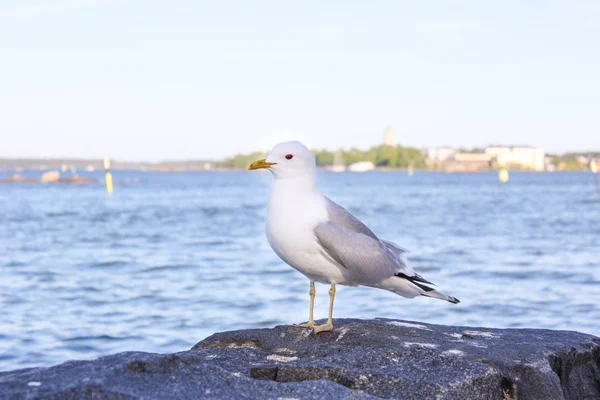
{"x": 325, "y": 242}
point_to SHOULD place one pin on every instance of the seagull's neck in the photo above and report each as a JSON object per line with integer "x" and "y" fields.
{"x": 296, "y": 184}
{"x": 294, "y": 203}
{"x": 297, "y": 188}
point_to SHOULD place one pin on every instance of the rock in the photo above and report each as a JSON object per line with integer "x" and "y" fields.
{"x": 359, "y": 359}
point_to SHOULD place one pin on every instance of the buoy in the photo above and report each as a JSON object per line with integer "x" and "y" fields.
{"x": 109, "y": 181}
{"x": 594, "y": 170}
{"x": 503, "y": 175}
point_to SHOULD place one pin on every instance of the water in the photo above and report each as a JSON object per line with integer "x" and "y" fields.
{"x": 172, "y": 257}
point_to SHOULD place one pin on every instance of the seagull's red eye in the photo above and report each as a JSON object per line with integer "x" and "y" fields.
{"x": 289, "y": 156}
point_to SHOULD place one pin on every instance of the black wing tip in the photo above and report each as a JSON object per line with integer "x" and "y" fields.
{"x": 419, "y": 281}
{"x": 414, "y": 278}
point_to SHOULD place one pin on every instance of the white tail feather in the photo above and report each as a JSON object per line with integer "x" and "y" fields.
{"x": 406, "y": 288}
{"x": 439, "y": 295}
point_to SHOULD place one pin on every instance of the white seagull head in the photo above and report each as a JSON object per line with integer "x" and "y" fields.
{"x": 288, "y": 160}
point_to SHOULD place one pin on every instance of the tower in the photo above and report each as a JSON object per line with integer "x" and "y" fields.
{"x": 389, "y": 137}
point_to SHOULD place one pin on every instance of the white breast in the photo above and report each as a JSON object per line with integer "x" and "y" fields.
{"x": 291, "y": 218}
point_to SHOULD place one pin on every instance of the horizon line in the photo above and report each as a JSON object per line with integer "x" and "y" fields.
{"x": 71, "y": 158}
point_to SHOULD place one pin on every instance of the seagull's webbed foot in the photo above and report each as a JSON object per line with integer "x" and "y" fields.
{"x": 323, "y": 328}
{"x": 328, "y": 326}
{"x": 309, "y": 324}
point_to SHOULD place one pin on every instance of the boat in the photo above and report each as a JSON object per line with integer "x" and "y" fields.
{"x": 361, "y": 166}
{"x": 338, "y": 162}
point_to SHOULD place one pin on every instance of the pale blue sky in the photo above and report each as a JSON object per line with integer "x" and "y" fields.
{"x": 154, "y": 80}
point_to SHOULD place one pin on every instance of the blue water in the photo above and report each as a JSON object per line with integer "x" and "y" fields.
{"x": 170, "y": 258}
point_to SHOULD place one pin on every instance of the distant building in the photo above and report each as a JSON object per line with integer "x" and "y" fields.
{"x": 449, "y": 159}
{"x": 437, "y": 154}
{"x": 463, "y": 162}
{"x": 469, "y": 162}
{"x": 582, "y": 160}
{"x": 549, "y": 164}
{"x": 389, "y": 137}
{"x": 472, "y": 157}
{"x": 523, "y": 156}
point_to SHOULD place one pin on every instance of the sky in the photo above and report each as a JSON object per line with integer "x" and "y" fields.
{"x": 145, "y": 80}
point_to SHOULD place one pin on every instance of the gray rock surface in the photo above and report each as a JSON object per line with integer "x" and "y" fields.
{"x": 360, "y": 359}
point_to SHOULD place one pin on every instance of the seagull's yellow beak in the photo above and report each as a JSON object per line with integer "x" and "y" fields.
{"x": 260, "y": 164}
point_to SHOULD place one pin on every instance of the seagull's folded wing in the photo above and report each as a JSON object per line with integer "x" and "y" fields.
{"x": 367, "y": 260}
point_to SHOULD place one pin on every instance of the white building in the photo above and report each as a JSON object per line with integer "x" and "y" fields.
{"x": 440, "y": 153}
{"x": 389, "y": 137}
{"x": 524, "y": 156}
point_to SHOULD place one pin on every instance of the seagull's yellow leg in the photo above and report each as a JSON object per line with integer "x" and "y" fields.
{"x": 311, "y": 321}
{"x": 329, "y": 325}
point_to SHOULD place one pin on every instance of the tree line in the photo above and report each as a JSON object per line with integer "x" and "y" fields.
{"x": 396, "y": 157}
{"x": 382, "y": 156}
{"x": 573, "y": 161}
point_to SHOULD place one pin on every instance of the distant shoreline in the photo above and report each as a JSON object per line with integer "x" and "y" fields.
{"x": 72, "y": 166}
{"x": 29, "y": 171}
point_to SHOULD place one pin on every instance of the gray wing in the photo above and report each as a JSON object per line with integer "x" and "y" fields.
{"x": 339, "y": 216}
{"x": 351, "y": 244}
